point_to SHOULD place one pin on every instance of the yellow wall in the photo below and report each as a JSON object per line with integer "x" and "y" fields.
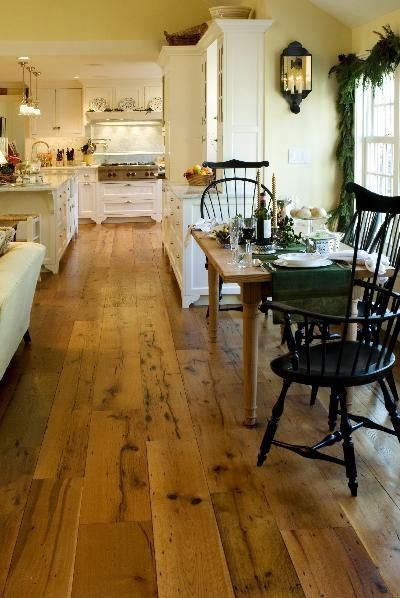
{"x": 99, "y": 19}
{"x": 314, "y": 129}
{"x": 364, "y": 38}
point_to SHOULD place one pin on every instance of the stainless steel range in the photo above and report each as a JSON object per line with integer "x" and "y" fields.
{"x": 128, "y": 171}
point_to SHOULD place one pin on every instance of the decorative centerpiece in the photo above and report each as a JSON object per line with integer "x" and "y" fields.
{"x": 87, "y": 151}
{"x": 199, "y": 175}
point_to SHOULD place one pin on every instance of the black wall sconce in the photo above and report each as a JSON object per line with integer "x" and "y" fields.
{"x": 296, "y": 75}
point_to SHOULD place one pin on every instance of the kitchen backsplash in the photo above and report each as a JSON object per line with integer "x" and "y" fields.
{"x": 119, "y": 139}
{"x": 125, "y": 138}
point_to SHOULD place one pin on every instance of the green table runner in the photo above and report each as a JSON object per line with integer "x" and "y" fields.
{"x": 322, "y": 290}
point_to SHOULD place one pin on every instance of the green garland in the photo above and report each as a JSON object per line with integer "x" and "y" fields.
{"x": 383, "y": 59}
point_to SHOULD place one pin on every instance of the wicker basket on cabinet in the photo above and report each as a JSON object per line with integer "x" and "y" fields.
{"x": 199, "y": 180}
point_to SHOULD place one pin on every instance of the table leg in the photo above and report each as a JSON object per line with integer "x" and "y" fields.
{"x": 213, "y": 301}
{"x": 251, "y": 296}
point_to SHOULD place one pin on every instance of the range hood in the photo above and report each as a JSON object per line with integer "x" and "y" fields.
{"x": 115, "y": 117}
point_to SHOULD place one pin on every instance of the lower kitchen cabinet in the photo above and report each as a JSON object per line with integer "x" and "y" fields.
{"x": 181, "y": 209}
{"x": 129, "y": 200}
{"x": 86, "y": 181}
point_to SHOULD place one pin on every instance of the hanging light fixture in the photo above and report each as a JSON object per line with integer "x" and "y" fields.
{"x": 30, "y": 101}
{"x": 29, "y": 106}
{"x": 36, "y": 102}
{"x": 23, "y": 107}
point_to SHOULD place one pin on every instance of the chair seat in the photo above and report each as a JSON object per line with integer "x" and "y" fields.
{"x": 327, "y": 376}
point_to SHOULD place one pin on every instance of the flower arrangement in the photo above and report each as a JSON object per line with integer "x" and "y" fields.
{"x": 89, "y": 148}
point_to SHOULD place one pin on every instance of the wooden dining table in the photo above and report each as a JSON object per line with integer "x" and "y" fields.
{"x": 255, "y": 284}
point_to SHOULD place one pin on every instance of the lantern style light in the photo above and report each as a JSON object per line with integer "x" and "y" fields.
{"x": 296, "y": 75}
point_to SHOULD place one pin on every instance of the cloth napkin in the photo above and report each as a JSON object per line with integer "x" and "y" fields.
{"x": 365, "y": 259}
{"x": 205, "y": 225}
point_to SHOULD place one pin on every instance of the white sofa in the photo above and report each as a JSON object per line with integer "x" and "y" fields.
{"x": 19, "y": 272}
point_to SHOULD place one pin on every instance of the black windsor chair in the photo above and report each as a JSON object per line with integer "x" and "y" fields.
{"x": 368, "y": 228}
{"x": 342, "y": 363}
{"x": 230, "y": 195}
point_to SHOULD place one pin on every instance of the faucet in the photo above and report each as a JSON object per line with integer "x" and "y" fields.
{"x": 47, "y": 152}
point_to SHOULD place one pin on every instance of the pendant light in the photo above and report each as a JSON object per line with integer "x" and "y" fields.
{"x": 28, "y": 105}
{"x": 36, "y": 102}
{"x": 23, "y": 107}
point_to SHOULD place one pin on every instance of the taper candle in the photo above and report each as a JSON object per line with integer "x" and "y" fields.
{"x": 274, "y": 204}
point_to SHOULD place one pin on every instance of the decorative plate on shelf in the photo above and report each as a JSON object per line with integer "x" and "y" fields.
{"x": 156, "y": 104}
{"x": 127, "y": 104}
{"x": 98, "y": 104}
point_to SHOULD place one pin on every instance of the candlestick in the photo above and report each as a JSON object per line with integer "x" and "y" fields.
{"x": 258, "y": 189}
{"x": 274, "y": 203}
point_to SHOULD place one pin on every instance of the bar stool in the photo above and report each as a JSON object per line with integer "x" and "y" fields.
{"x": 28, "y": 226}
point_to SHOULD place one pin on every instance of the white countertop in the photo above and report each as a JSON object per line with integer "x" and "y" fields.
{"x": 185, "y": 191}
{"x": 51, "y": 169}
{"x": 51, "y": 183}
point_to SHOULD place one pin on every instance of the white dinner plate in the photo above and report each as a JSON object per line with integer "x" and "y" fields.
{"x": 300, "y": 259}
{"x": 312, "y": 264}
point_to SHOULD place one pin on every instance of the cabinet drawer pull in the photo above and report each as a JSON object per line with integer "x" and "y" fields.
{"x": 177, "y": 223}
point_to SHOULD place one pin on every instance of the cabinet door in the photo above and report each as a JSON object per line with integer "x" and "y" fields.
{"x": 95, "y": 93}
{"x": 44, "y": 125}
{"x": 69, "y": 111}
{"x": 151, "y": 92}
{"x": 87, "y": 200}
{"x": 127, "y": 92}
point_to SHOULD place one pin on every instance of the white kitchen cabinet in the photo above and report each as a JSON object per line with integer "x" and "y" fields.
{"x": 142, "y": 91}
{"x": 183, "y": 104}
{"x": 98, "y": 93}
{"x": 226, "y": 68}
{"x": 61, "y": 113}
{"x": 238, "y": 79}
{"x": 128, "y": 92}
{"x": 181, "y": 208}
{"x": 87, "y": 200}
{"x": 86, "y": 185}
{"x": 129, "y": 200}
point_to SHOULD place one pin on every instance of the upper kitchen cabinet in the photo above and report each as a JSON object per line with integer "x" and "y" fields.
{"x": 98, "y": 96}
{"x": 233, "y": 92}
{"x": 183, "y": 105}
{"x": 128, "y": 96}
{"x": 61, "y": 113}
{"x": 214, "y": 95}
{"x": 122, "y": 94}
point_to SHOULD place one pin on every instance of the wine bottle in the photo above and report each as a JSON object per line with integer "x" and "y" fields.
{"x": 263, "y": 221}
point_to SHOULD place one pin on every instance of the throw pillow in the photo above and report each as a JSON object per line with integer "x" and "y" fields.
{"x": 7, "y": 234}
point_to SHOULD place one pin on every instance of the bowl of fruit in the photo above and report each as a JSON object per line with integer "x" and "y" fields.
{"x": 199, "y": 175}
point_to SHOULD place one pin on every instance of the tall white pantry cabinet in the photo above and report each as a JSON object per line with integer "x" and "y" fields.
{"x": 213, "y": 109}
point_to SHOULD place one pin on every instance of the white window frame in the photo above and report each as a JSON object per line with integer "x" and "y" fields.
{"x": 362, "y": 139}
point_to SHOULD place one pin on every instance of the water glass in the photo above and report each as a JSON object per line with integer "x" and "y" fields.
{"x": 249, "y": 232}
{"x": 235, "y": 227}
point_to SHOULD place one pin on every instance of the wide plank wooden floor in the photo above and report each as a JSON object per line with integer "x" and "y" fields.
{"x": 125, "y": 470}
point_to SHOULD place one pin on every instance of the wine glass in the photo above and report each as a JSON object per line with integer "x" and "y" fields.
{"x": 249, "y": 233}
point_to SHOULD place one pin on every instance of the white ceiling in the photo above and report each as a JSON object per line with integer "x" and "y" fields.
{"x": 357, "y": 12}
{"x": 86, "y": 60}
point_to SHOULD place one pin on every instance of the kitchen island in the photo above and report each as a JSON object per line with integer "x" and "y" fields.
{"x": 55, "y": 201}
